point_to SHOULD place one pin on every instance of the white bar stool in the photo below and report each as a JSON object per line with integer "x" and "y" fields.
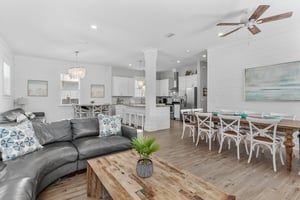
{"x": 140, "y": 120}
{"x": 126, "y": 118}
{"x": 133, "y": 119}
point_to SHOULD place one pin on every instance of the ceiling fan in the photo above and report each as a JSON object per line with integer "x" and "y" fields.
{"x": 253, "y": 20}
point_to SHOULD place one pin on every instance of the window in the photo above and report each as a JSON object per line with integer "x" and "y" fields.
{"x": 69, "y": 90}
{"x": 6, "y": 79}
{"x": 139, "y": 87}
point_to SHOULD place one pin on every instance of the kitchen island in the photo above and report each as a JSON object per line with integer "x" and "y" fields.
{"x": 162, "y": 114}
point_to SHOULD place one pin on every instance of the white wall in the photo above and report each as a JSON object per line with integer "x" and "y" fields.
{"x": 226, "y": 67}
{"x": 6, "y": 55}
{"x": 33, "y": 68}
{"x": 116, "y": 71}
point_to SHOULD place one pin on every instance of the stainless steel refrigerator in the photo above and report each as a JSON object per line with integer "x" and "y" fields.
{"x": 191, "y": 97}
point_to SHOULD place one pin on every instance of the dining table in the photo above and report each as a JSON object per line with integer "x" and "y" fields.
{"x": 285, "y": 125}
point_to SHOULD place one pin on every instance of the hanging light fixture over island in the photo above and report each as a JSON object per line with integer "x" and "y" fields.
{"x": 77, "y": 72}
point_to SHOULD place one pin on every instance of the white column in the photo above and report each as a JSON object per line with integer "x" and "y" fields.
{"x": 156, "y": 118}
{"x": 150, "y": 97}
{"x": 199, "y": 85}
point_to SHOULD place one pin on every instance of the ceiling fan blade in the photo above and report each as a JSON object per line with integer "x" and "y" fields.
{"x": 229, "y": 23}
{"x": 275, "y": 17}
{"x": 254, "y": 30}
{"x": 234, "y": 30}
{"x": 259, "y": 11}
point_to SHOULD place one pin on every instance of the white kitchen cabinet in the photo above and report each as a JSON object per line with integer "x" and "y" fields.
{"x": 130, "y": 87}
{"x": 162, "y": 87}
{"x": 122, "y": 86}
{"x": 157, "y": 87}
{"x": 181, "y": 85}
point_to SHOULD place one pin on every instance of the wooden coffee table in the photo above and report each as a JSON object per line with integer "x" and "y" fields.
{"x": 115, "y": 174}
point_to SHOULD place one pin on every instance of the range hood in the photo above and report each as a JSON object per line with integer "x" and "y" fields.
{"x": 175, "y": 83}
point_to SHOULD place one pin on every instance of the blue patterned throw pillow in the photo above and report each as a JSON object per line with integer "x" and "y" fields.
{"x": 109, "y": 125}
{"x": 18, "y": 140}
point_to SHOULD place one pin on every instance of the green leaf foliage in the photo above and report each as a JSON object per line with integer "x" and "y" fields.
{"x": 145, "y": 146}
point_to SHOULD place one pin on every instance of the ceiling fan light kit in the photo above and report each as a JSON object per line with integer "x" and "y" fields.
{"x": 254, "y": 20}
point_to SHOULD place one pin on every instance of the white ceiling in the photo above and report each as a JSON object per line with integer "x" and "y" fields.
{"x": 57, "y": 28}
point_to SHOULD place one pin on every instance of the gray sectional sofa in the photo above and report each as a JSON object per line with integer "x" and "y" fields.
{"x": 67, "y": 144}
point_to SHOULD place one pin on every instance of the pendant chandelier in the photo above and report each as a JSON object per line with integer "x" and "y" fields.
{"x": 77, "y": 72}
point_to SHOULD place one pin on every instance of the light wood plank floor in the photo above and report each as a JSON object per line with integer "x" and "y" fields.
{"x": 247, "y": 181}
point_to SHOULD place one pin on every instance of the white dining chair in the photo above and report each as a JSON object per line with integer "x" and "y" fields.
{"x": 260, "y": 136}
{"x": 282, "y": 134}
{"x": 284, "y": 115}
{"x": 228, "y": 112}
{"x": 246, "y": 128}
{"x": 206, "y": 127}
{"x": 230, "y": 130}
{"x": 194, "y": 110}
{"x": 250, "y": 113}
{"x": 188, "y": 122}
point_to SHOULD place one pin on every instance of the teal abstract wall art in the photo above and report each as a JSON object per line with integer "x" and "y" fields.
{"x": 280, "y": 82}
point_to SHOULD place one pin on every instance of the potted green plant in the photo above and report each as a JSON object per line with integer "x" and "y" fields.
{"x": 145, "y": 146}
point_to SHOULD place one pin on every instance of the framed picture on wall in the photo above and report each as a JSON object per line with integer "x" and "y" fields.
{"x": 97, "y": 91}
{"x": 279, "y": 82}
{"x": 37, "y": 88}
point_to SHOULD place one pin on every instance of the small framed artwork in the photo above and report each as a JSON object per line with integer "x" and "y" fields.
{"x": 97, "y": 91}
{"x": 37, "y": 88}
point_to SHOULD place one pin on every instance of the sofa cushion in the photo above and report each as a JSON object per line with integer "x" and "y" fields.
{"x": 18, "y": 140}
{"x": 18, "y": 189}
{"x": 109, "y": 125}
{"x": 59, "y": 131}
{"x": 41, "y": 162}
{"x": 89, "y": 147}
{"x": 84, "y": 127}
{"x": 11, "y": 115}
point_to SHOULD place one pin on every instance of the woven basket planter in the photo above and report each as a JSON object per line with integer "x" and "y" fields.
{"x": 144, "y": 168}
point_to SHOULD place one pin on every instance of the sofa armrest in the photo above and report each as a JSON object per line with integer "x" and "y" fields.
{"x": 128, "y": 132}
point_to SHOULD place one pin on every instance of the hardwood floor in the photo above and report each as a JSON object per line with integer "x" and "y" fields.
{"x": 247, "y": 181}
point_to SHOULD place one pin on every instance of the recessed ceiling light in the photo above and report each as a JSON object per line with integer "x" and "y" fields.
{"x": 94, "y": 27}
{"x": 130, "y": 65}
{"x": 188, "y": 51}
{"x": 178, "y": 61}
{"x": 220, "y": 34}
{"x": 204, "y": 55}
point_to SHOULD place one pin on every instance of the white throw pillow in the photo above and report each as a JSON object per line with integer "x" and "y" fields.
{"x": 21, "y": 118}
{"x": 18, "y": 140}
{"x": 109, "y": 125}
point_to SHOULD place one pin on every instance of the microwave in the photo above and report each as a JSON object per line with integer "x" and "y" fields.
{"x": 167, "y": 100}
